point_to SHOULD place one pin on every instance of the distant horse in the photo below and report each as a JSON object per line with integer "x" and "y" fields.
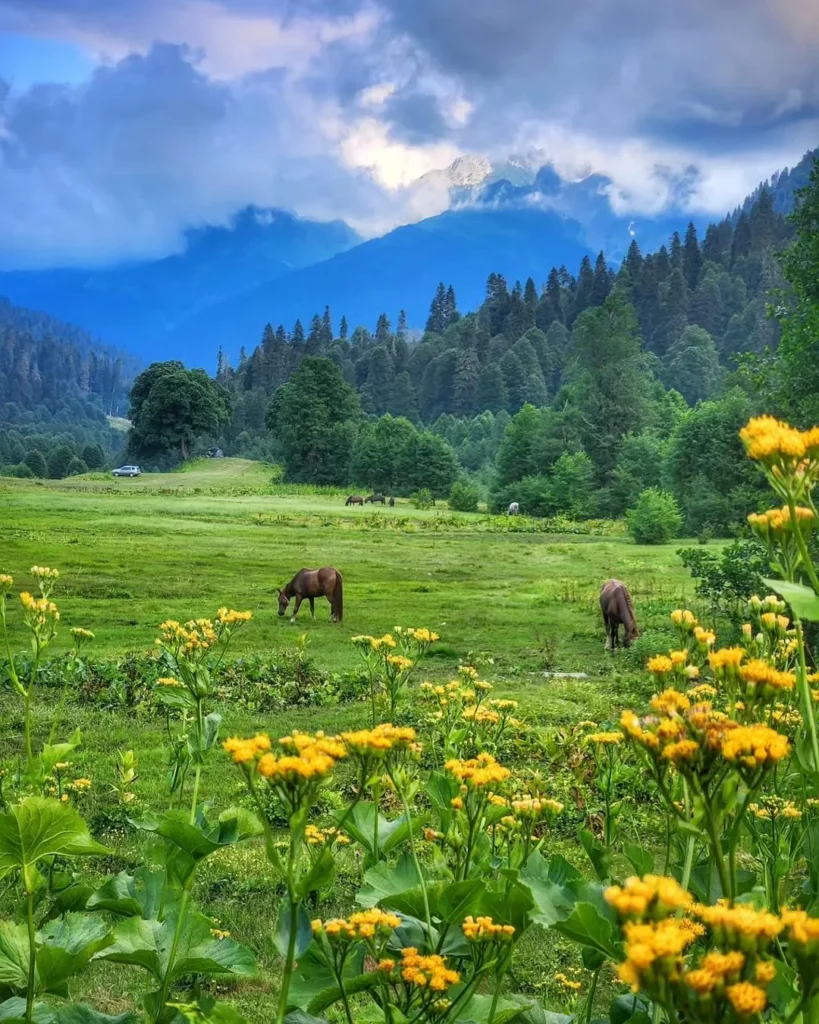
{"x": 514, "y": 509}
{"x": 375, "y": 498}
{"x": 615, "y": 603}
{"x": 313, "y": 583}
{"x": 392, "y": 502}
{"x": 354, "y": 499}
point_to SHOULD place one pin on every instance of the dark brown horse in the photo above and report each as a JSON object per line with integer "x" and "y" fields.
{"x": 310, "y": 584}
{"x": 392, "y": 502}
{"x": 615, "y": 603}
{"x": 354, "y": 499}
{"x": 373, "y": 498}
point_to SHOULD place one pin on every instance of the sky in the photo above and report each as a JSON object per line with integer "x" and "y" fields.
{"x": 122, "y": 124}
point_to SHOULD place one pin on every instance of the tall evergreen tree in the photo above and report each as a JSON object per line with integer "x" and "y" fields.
{"x": 297, "y": 337}
{"x": 692, "y": 257}
{"x": 342, "y": 329}
{"x": 601, "y": 285}
{"x": 676, "y": 252}
{"x": 382, "y": 330}
{"x": 401, "y": 331}
{"x": 326, "y": 327}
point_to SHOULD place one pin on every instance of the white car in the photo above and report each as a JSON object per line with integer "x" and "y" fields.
{"x": 127, "y": 471}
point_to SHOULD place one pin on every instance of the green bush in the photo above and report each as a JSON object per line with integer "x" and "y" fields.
{"x": 36, "y": 463}
{"x": 21, "y": 470}
{"x": 656, "y": 517}
{"x": 463, "y": 497}
{"x": 75, "y": 467}
{"x": 423, "y": 498}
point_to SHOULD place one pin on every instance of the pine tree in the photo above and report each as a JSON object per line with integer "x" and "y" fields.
{"x": 634, "y": 261}
{"x": 437, "y": 320}
{"x": 491, "y": 394}
{"x": 741, "y": 244}
{"x": 401, "y": 331}
{"x": 467, "y": 372}
{"x": 382, "y": 330}
{"x": 692, "y": 257}
{"x": 662, "y": 264}
{"x": 342, "y": 329}
{"x": 297, "y": 337}
{"x": 584, "y": 290}
{"x": 676, "y": 252}
{"x": 530, "y": 301}
{"x": 313, "y": 346}
{"x": 517, "y": 320}
{"x": 326, "y": 327}
{"x": 601, "y": 285}
{"x": 451, "y": 314}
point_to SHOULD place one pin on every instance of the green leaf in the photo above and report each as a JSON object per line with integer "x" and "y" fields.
{"x": 13, "y": 1011}
{"x": 147, "y": 944}
{"x": 313, "y": 986}
{"x": 478, "y": 1009}
{"x": 304, "y": 931}
{"x": 66, "y": 946}
{"x": 625, "y": 1008}
{"x": 139, "y": 895}
{"x": 783, "y": 991}
{"x": 197, "y": 841}
{"x": 14, "y": 953}
{"x": 511, "y": 907}
{"x": 360, "y": 823}
{"x": 80, "y": 1013}
{"x": 587, "y": 926}
{"x": 554, "y": 886}
{"x": 803, "y": 601}
{"x": 38, "y": 828}
{"x": 639, "y": 858}
{"x": 385, "y": 880}
{"x": 54, "y": 753}
{"x": 441, "y": 789}
{"x": 537, "y": 1015}
{"x": 597, "y": 853}
{"x": 175, "y": 697}
{"x": 209, "y": 1011}
{"x": 321, "y": 874}
{"x": 458, "y": 899}
{"x": 300, "y": 1017}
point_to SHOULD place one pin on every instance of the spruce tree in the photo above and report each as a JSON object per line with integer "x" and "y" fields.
{"x": 692, "y": 257}
{"x": 401, "y": 331}
{"x": 342, "y": 329}
{"x": 297, "y": 337}
{"x": 382, "y": 330}
{"x": 602, "y": 281}
{"x": 326, "y": 327}
{"x": 676, "y": 252}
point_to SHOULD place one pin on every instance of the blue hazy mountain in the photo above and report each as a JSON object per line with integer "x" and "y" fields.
{"x": 139, "y": 304}
{"x": 398, "y": 271}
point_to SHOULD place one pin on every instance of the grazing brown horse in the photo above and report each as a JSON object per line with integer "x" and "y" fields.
{"x": 373, "y": 498}
{"x": 615, "y": 603}
{"x": 310, "y": 584}
{"x": 354, "y": 499}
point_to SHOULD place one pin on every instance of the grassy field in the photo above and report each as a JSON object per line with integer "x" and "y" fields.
{"x": 134, "y": 552}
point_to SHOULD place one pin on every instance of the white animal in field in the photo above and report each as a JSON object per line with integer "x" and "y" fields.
{"x": 514, "y": 509}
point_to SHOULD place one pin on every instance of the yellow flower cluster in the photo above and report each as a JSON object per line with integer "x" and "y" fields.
{"x": 660, "y": 665}
{"x": 803, "y": 931}
{"x": 670, "y": 702}
{"x": 168, "y": 681}
{"x": 652, "y": 896}
{"x": 755, "y": 746}
{"x": 241, "y": 751}
{"x": 427, "y": 971}
{"x": 478, "y": 772}
{"x": 195, "y": 635}
{"x": 367, "y": 924}
{"x": 696, "y": 693}
{"x": 314, "y": 758}
{"x": 218, "y": 933}
{"x": 484, "y": 929}
{"x": 534, "y": 807}
{"x": 684, "y": 618}
{"x": 380, "y": 740}
{"x": 230, "y": 617}
{"x": 772, "y": 441}
{"x": 773, "y": 807}
{"x": 726, "y": 661}
{"x": 778, "y": 520}
{"x": 503, "y": 705}
{"x": 42, "y": 572}
{"x": 6, "y": 582}
{"x": 423, "y": 636}
{"x": 747, "y": 999}
{"x": 81, "y": 634}
{"x": 568, "y": 983}
{"x": 399, "y": 662}
{"x": 604, "y": 738}
{"x": 705, "y": 637}
{"x": 481, "y": 715}
{"x": 40, "y": 608}
{"x": 653, "y": 949}
{"x": 314, "y": 836}
{"x": 764, "y": 681}
{"x": 739, "y": 927}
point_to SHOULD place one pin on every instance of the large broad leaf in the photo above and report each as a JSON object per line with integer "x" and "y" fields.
{"x": 38, "y": 828}
{"x": 146, "y": 893}
{"x": 783, "y": 991}
{"x": 147, "y": 944}
{"x": 286, "y": 926}
{"x": 209, "y": 1011}
{"x": 639, "y": 858}
{"x": 360, "y": 824}
{"x": 587, "y": 925}
{"x": 313, "y": 986}
{"x": 300, "y": 1017}
{"x": 597, "y": 853}
{"x": 79, "y": 1013}
{"x": 537, "y": 1015}
{"x": 14, "y": 954}
{"x": 385, "y": 880}
{"x": 53, "y": 753}
{"x": 197, "y": 841}
{"x": 66, "y": 946}
{"x": 554, "y": 886}
{"x": 175, "y": 697}
{"x": 804, "y": 603}
{"x": 478, "y": 1009}
{"x": 512, "y": 906}
{"x": 627, "y": 1008}
{"x": 320, "y": 875}
{"x": 441, "y": 789}
{"x": 455, "y": 900}
{"x": 13, "y": 1011}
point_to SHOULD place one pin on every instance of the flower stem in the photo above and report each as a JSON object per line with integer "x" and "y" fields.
{"x": 417, "y": 863}
{"x": 32, "y": 954}
{"x": 592, "y": 991}
{"x": 288, "y": 963}
{"x": 807, "y": 697}
{"x": 177, "y": 935}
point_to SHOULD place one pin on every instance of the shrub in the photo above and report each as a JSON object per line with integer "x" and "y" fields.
{"x": 75, "y": 467}
{"x": 463, "y": 497}
{"x": 726, "y": 579}
{"x": 656, "y": 517}
{"x": 21, "y": 470}
{"x": 36, "y": 463}
{"x": 423, "y": 498}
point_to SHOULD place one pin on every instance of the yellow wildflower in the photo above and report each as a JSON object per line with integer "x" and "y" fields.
{"x": 746, "y": 998}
